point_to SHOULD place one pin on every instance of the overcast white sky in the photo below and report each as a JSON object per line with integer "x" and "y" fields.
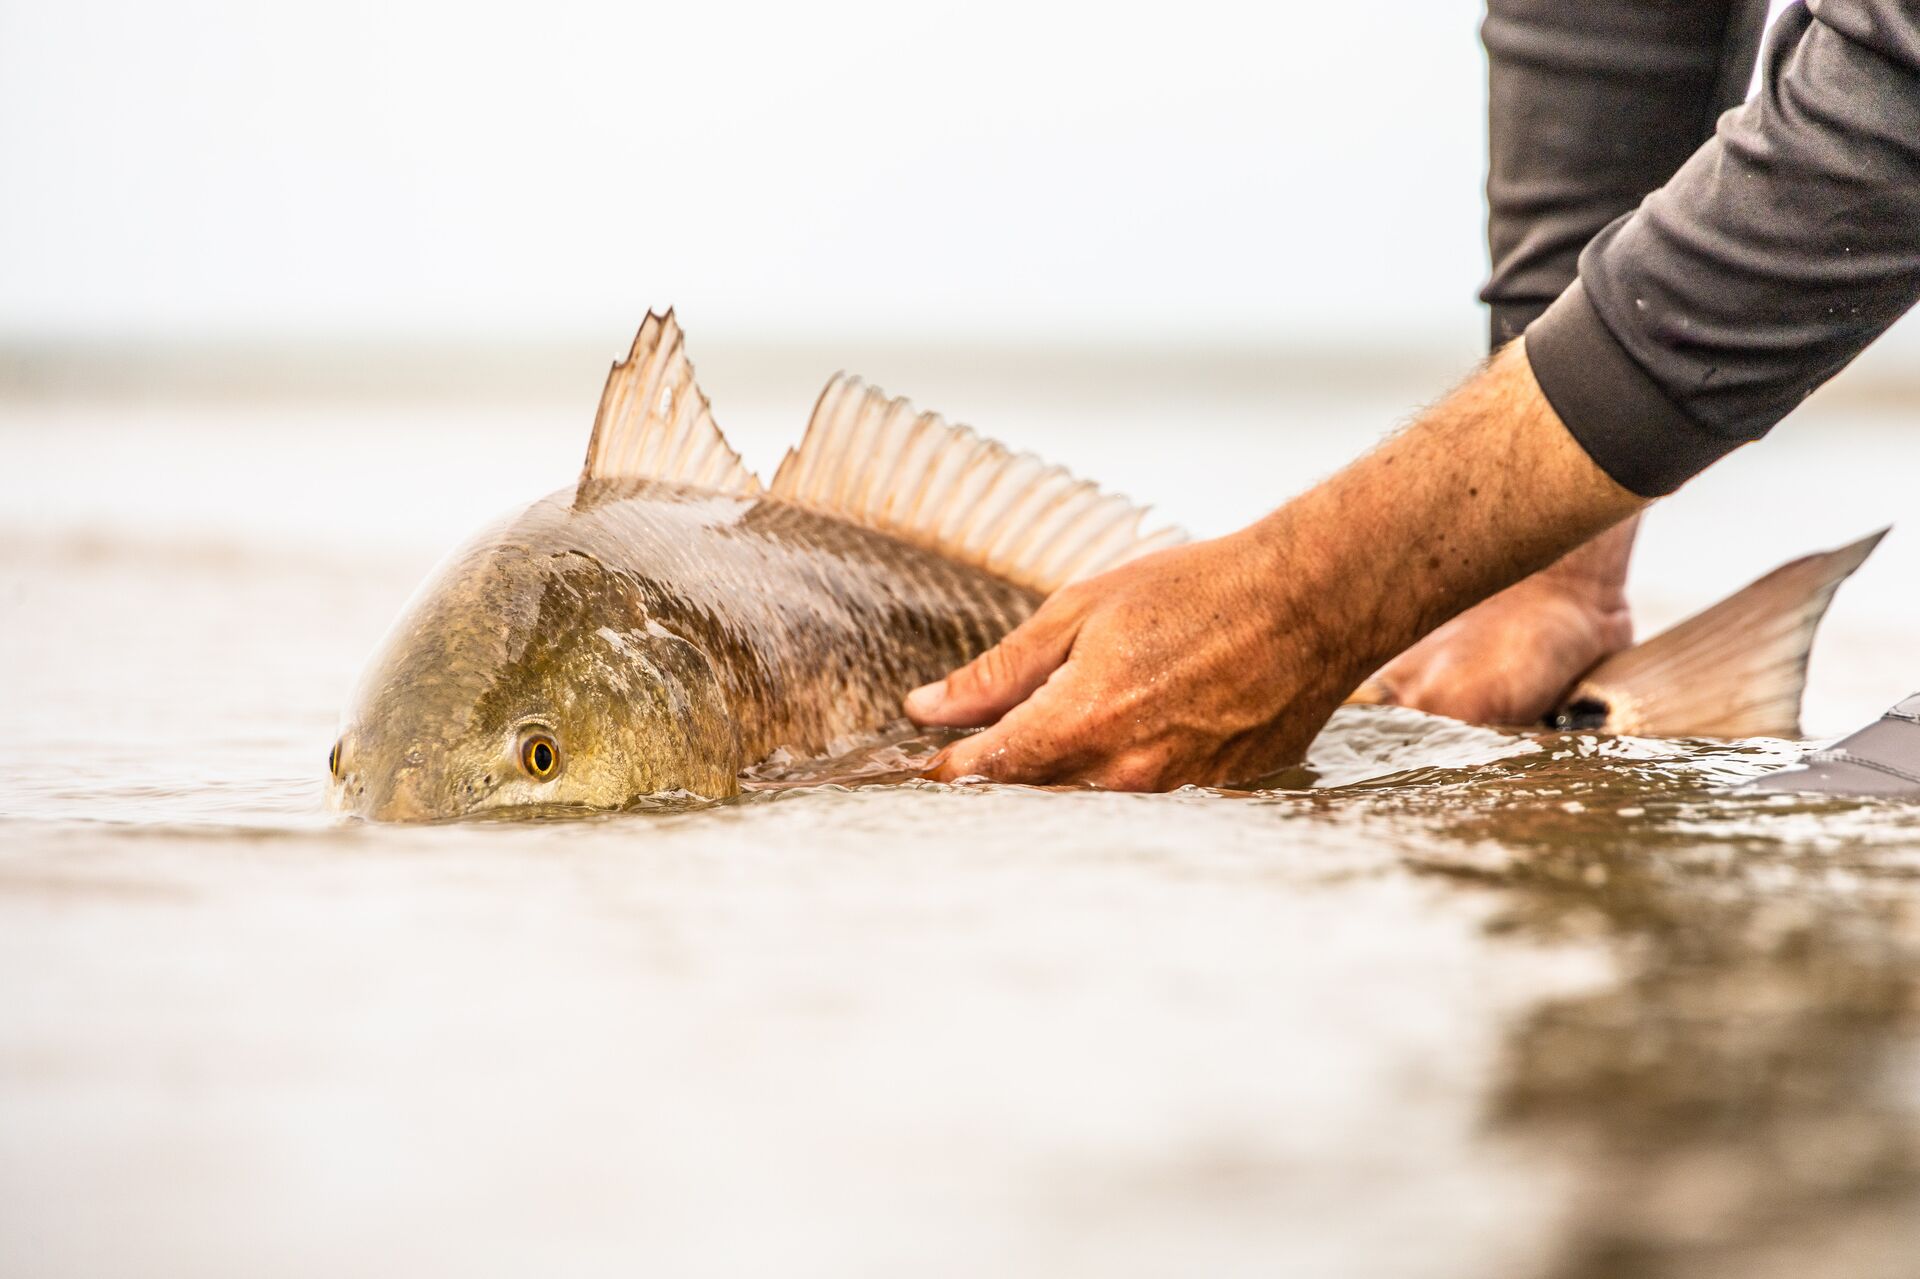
{"x": 410, "y": 168}
{"x": 239, "y": 166}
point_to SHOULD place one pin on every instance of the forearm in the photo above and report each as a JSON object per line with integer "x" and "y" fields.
{"x": 1483, "y": 490}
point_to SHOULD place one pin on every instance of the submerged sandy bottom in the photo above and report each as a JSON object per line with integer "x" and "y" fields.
{"x": 1479, "y": 1005}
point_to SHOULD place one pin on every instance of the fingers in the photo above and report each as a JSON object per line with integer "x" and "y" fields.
{"x": 1059, "y": 734}
{"x": 1038, "y": 743}
{"x": 999, "y": 679}
{"x": 1032, "y": 743}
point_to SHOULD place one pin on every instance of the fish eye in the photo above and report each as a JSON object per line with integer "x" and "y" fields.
{"x": 333, "y": 761}
{"x": 540, "y": 755}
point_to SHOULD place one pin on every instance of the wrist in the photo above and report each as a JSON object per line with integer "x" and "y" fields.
{"x": 1483, "y": 490}
{"x": 1594, "y": 594}
{"x": 1326, "y": 594}
{"x": 1593, "y": 575}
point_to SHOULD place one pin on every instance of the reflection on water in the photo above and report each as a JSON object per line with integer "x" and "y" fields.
{"x": 1742, "y": 1100}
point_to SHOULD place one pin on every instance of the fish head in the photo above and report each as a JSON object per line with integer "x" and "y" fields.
{"x": 522, "y": 680}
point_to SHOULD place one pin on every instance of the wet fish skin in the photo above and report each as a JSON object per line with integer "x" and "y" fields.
{"x": 666, "y": 637}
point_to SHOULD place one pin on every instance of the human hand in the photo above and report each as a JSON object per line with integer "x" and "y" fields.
{"x": 1219, "y": 661}
{"x": 1509, "y": 660}
{"x": 1188, "y": 665}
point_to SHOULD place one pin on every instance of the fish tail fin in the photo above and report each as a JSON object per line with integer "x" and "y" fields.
{"x": 1737, "y": 669}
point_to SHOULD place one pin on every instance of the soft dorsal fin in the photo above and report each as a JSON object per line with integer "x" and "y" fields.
{"x": 655, "y": 424}
{"x": 876, "y": 462}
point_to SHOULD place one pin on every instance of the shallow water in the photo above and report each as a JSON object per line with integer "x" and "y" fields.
{"x": 1469, "y": 1004}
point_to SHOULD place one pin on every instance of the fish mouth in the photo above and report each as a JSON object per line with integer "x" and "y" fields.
{"x": 411, "y": 798}
{"x": 666, "y": 804}
{"x": 540, "y": 812}
{"x": 409, "y": 795}
{"x": 494, "y": 813}
{"x": 390, "y": 810}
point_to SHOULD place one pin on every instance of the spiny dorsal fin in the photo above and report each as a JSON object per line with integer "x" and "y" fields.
{"x": 655, "y": 424}
{"x": 878, "y": 463}
{"x": 1737, "y": 669}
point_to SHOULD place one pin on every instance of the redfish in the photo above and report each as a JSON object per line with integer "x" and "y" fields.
{"x": 669, "y": 621}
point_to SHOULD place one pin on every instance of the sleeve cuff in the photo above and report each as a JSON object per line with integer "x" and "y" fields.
{"x": 1618, "y": 414}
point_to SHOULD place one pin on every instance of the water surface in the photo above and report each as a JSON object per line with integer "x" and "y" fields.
{"x": 1460, "y": 1003}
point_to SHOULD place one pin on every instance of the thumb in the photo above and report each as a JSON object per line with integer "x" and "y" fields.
{"x": 999, "y": 679}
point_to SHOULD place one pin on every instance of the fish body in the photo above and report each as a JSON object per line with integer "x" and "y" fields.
{"x": 665, "y": 637}
{"x": 669, "y": 621}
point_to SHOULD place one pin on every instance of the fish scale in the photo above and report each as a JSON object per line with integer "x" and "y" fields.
{"x": 815, "y": 627}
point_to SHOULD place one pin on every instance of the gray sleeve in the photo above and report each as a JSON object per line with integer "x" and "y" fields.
{"x": 1780, "y": 249}
{"x": 1591, "y": 106}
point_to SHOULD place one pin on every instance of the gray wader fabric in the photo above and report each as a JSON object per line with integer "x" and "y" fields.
{"x": 1591, "y": 107}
